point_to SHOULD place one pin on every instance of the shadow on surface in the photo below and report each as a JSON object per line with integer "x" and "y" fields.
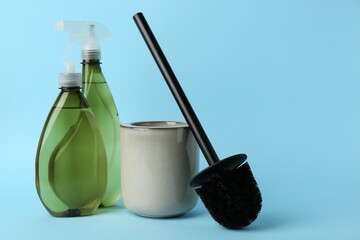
{"x": 119, "y": 207}
{"x": 189, "y": 215}
{"x": 269, "y": 221}
{"x": 193, "y": 213}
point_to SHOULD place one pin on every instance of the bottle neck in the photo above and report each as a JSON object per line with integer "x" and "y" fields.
{"x": 92, "y": 66}
{"x": 93, "y": 62}
{"x": 71, "y": 97}
{"x": 70, "y": 89}
{"x": 92, "y": 73}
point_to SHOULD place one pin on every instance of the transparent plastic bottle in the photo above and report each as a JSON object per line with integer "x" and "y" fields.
{"x": 71, "y": 165}
{"x": 97, "y": 92}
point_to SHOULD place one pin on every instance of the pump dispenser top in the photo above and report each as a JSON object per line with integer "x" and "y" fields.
{"x": 86, "y": 33}
{"x": 69, "y": 78}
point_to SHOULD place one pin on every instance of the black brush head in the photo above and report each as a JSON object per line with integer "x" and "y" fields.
{"x": 232, "y": 196}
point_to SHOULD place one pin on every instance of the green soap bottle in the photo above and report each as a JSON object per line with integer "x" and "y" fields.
{"x": 97, "y": 92}
{"x": 71, "y": 165}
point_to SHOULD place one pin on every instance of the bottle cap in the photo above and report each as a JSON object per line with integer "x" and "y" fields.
{"x": 91, "y": 49}
{"x": 69, "y": 78}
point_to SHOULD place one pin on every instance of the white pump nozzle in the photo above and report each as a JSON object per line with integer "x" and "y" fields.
{"x": 88, "y": 34}
{"x": 70, "y": 78}
{"x": 70, "y": 67}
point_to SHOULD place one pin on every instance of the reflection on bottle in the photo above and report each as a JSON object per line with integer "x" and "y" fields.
{"x": 74, "y": 170}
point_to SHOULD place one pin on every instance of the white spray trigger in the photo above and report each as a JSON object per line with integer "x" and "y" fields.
{"x": 86, "y": 33}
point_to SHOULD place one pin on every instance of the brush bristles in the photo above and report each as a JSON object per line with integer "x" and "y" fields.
{"x": 232, "y": 197}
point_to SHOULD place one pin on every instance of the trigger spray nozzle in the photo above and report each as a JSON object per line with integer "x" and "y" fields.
{"x": 87, "y": 34}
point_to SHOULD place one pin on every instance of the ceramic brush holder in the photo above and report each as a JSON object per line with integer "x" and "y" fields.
{"x": 158, "y": 159}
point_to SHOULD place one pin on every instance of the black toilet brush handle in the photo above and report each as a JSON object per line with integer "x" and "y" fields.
{"x": 178, "y": 93}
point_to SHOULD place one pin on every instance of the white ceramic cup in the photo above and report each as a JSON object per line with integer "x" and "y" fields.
{"x": 158, "y": 159}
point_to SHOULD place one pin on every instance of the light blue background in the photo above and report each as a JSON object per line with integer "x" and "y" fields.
{"x": 277, "y": 80}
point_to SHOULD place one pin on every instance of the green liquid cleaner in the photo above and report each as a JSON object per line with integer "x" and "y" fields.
{"x": 71, "y": 165}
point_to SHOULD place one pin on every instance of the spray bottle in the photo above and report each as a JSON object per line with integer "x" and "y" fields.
{"x": 71, "y": 165}
{"x": 97, "y": 92}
